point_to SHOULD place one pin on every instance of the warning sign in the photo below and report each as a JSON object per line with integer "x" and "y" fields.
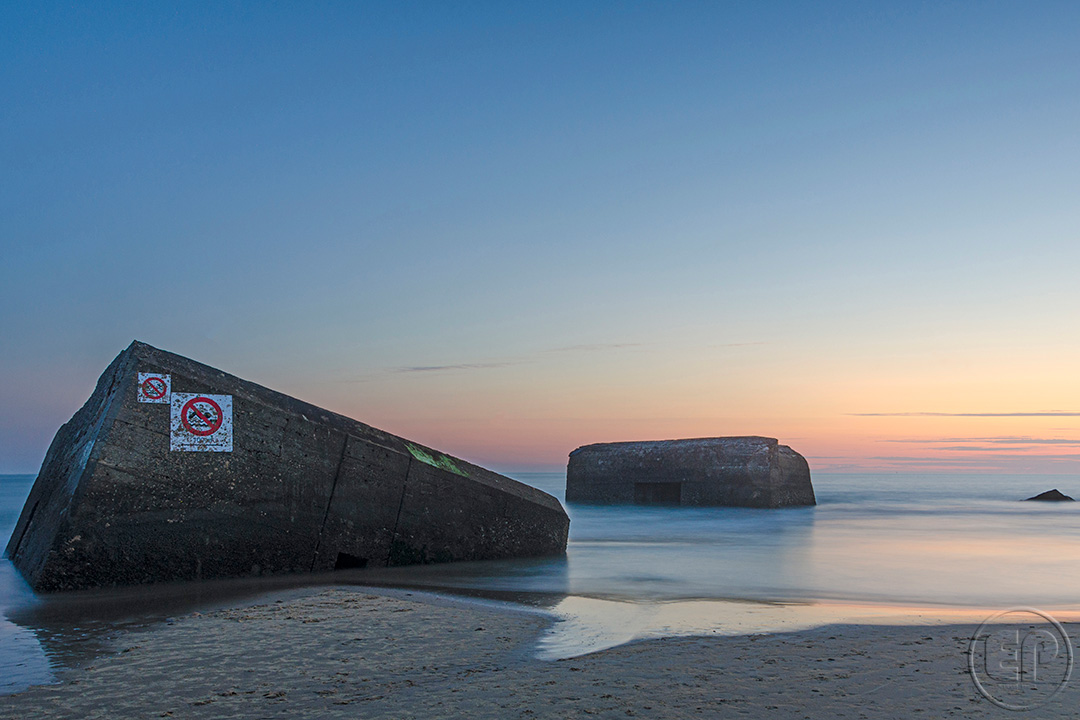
{"x": 154, "y": 388}
{"x": 201, "y": 422}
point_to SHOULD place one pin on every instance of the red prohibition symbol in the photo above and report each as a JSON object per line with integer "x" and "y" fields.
{"x": 201, "y": 416}
{"x": 153, "y": 388}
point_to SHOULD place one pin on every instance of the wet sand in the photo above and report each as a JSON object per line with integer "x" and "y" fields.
{"x": 376, "y": 653}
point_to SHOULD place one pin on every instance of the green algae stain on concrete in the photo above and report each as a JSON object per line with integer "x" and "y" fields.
{"x": 438, "y": 460}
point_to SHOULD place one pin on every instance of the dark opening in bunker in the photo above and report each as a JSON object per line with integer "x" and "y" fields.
{"x": 345, "y": 561}
{"x": 657, "y": 493}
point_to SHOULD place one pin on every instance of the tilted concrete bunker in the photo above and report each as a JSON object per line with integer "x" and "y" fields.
{"x": 173, "y": 470}
{"x": 740, "y": 471}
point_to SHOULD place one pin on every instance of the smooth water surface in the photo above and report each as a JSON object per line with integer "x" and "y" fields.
{"x": 960, "y": 540}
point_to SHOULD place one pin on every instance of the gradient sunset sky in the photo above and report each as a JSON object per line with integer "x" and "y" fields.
{"x": 509, "y": 229}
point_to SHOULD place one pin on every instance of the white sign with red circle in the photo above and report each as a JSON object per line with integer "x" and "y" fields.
{"x": 201, "y": 422}
{"x": 154, "y": 388}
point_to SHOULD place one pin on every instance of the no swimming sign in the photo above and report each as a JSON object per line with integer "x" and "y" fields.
{"x": 201, "y": 422}
{"x": 154, "y": 388}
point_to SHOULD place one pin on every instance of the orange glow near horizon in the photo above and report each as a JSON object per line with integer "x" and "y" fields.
{"x": 914, "y": 414}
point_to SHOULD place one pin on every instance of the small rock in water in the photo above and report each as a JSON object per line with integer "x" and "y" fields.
{"x": 1052, "y": 496}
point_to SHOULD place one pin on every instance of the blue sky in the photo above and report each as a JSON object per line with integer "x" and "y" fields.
{"x": 510, "y": 229}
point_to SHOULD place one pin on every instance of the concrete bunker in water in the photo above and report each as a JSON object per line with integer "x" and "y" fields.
{"x": 174, "y": 470}
{"x": 745, "y": 471}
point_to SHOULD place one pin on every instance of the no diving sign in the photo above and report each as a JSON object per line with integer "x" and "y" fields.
{"x": 154, "y": 388}
{"x": 201, "y": 422}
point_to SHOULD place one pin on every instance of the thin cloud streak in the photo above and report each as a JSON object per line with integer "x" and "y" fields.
{"x": 738, "y": 344}
{"x": 459, "y": 366}
{"x": 966, "y": 414}
{"x": 492, "y": 364}
{"x": 592, "y": 347}
{"x": 1016, "y": 440}
{"x": 998, "y": 451}
{"x": 998, "y": 456}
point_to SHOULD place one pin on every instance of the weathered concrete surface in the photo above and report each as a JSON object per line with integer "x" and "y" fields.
{"x": 739, "y": 471}
{"x": 302, "y": 490}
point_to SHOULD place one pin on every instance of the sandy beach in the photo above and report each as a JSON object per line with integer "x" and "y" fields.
{"x": 376, "y": 653}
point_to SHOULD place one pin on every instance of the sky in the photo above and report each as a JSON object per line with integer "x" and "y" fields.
{"x": 506, "y": 230}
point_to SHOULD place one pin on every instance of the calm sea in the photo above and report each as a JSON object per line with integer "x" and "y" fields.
{"x": 926, "y": 540}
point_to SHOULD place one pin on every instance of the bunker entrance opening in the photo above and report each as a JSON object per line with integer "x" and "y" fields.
{"x": 657, "y": 493}
{"x": 345, "y": 561}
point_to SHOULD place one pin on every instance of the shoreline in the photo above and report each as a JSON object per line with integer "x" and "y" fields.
{"x": 353, "y": 651}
